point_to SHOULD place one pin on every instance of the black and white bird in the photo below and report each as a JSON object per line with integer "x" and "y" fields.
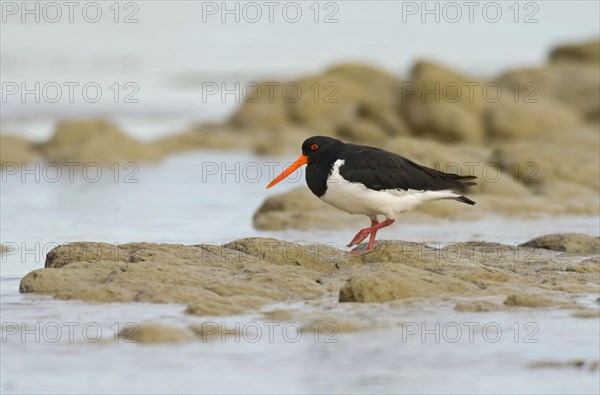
{"x": 370, "y": 181}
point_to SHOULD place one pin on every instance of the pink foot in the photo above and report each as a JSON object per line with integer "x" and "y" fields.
{"x": 363, "y": 233}
{"x": 372, "y": 230}
{"x": 360, "y": 236}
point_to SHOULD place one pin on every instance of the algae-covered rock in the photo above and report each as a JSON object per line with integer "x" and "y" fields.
{"x": 316, "y": 257}
{"x": 208, "y": 136}
{"x": 510, "y": 120}
{"x": 341, "y": 94}
{"x": 574, "y": 85}
{"x": 263, "y": 108}
{"x": 363, "y": 104}
{"x": 390, "y": 283}
{"x": 14, "y": 151}
{"x": 587, "y": 313}
{"x": 208, "y": 277}
{"x": 360, "y": 103}
{"x": 352, "y": 101}
{"x": 218, "y": 306}
{"x": 589, "y": 265}
{"x": 83, "y": 251}
{"x": 98, "y": 141}
{"x": 154, "y": 334}
{"x": 477, "y": 306}
{"x": 586, "y": 52}
{"x": 212, "y": 331}
{"x": 244, "y": 275}
{"x": 528, "y": 300}
{"x": 573, "y": 243}
{"x": 444, "y": 104}
{"x": 536, "y": 162}
{"x": 446, "y": 122}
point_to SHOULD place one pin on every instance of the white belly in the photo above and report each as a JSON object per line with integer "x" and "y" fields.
{"x": 355, "y": 198}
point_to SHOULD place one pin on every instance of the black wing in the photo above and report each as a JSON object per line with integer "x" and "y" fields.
{"x": 378, "y": 169}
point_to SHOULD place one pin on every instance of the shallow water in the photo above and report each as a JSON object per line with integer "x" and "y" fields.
{"x": 204, "y": 198}
{"x": 386, "y": 360}
{"x": 185, "y": 200}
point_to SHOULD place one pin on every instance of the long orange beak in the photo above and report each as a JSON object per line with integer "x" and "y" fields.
{"x": 302, "y": 160}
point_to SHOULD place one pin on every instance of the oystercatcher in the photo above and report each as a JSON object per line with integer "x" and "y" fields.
{"x": 370, "y": 181}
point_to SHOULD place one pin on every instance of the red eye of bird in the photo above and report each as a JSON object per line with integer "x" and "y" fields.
{"x": 314, "y": 146}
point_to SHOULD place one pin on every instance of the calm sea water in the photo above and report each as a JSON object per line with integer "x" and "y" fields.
{"x": 175, "y": 202}
{"x": 167, "y": 56}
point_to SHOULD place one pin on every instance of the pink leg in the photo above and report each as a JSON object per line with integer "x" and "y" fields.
{"x": 372, "y": 230}
{"x": 372, "y": 237}
{"x": 371, "y": 241}
{"x": 365, "y": 231}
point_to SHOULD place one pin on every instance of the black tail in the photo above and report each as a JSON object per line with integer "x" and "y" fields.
{"x": 466, "y": 181}
{"x": 466, "y": 200}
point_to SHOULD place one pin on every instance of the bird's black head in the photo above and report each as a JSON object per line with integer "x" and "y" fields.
{"x": 320, "y": 148}
{"x": 315, "y": 150}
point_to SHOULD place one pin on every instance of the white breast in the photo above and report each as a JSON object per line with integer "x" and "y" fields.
{"x": 355, "y": 198}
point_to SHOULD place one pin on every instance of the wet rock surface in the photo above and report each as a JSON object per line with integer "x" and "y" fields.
{"x": 574, "y": 243}
{"x": 154, "y": 334}
{"x": 244, "y": 275}
{"x": 98, "y": 141}
{"x": 584, "y": 52}
{"x": 14, "y": 151}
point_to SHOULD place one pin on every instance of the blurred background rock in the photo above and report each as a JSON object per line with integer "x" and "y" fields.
{"x": 526, "y": 104}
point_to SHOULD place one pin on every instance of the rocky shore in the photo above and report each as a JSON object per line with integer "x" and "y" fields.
{"x": 360, "y": 103}
{"x": 247, "y": 275}
{"x": 529, "y": 134}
